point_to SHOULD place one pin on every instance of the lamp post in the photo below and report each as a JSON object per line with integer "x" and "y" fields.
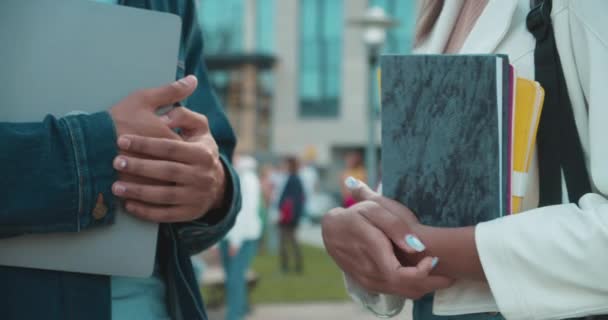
{"x": 374, "y": 24}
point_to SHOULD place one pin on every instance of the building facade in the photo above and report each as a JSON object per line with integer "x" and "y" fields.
{"x": 320, "y": 85}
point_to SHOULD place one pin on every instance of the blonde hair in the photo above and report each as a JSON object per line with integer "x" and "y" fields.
{"x": 428, "y": 12}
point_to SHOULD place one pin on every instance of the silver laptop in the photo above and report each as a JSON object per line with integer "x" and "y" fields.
{"x": 60, "y": 56}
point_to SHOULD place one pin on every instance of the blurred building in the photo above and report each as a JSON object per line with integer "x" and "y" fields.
{"x": 318, "y": 91}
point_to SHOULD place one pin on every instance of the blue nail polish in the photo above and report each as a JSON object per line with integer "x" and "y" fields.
{"x": 434, "y": 262}
{"x": 351, "y": 183}
{"x": 414, "y": 243}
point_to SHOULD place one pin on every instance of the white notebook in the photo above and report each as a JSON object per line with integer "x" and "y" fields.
{"x": 59, "y": 56}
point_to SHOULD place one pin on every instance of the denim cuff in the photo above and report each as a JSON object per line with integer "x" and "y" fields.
{"x": 201, "y": 234}
{"x": 94, "y": 144}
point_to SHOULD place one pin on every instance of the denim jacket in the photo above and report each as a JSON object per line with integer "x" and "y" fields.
{"x": 52, "y": 174}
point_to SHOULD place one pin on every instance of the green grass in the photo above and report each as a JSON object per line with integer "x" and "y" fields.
{"x": 321, "y": 280}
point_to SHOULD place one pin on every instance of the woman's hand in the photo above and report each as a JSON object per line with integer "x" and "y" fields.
{"x": 366, "y": 240}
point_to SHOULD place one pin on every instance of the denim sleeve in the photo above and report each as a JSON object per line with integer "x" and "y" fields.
{"x": 56, "y": 174}
{"x": 198, "y": 235}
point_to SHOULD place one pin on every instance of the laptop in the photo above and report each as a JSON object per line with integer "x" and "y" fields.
{"x": 64, "y": 56}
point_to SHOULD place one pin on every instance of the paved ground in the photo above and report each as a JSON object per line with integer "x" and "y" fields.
{"x": 311, "y": 234}
{"x": 316, "y": 311}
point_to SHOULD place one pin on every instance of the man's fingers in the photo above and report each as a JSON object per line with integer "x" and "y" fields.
{"x": 192, "y": 123}
{"x": 166, "y": 149}
{"x": 154, "y": 194}
{"x": 168, "y": 171}
{"x": 155, "y": 213}
{"x": 171, "y": 93}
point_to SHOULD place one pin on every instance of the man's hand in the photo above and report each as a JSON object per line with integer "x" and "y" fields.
{"x": 192, "y": 167}
{"x": 364, "y": 239}
{"x": 136, "y": 114}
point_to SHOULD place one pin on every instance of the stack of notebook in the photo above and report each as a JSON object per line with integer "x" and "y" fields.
{"x": 458, "y": 133}
{"x": 529, "y": 97}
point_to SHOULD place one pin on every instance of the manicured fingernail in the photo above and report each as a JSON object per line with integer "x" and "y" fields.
{"x": 119, "y": 188}
{"x": 188, "y": 81}
{"x": 434, "y": 262}
{"x": 165, "y": 118}
{"x": 351, "y": 183}
{"x": 414, "y": 243}
{"x": 120, "y": 163}
{"x": 124, "y": 143}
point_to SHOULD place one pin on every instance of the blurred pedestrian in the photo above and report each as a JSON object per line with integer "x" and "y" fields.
{"x": 309, "y": 174}
{"x": 241, "y": 244}
{"x": 267, "y": 200}
{"x": 291, "y": 205}
{"x": 272, "y": 187}
{"x": 354, "y": 167}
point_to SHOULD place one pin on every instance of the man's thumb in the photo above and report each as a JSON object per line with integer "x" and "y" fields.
{"x": 171, "y": 93}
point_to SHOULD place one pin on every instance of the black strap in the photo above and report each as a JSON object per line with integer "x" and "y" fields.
{"x": 559, "y": 146}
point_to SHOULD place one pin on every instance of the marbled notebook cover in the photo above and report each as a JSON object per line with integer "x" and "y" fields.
{"x": 445, "y": 136}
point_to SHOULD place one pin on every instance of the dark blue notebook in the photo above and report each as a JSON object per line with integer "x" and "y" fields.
{"x": 445, "y": 136}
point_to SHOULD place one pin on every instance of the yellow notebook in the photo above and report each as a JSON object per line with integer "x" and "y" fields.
{"x": 529, "y": 98}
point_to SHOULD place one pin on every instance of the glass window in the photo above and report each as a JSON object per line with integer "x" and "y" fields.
{"x": 320, "y": 53}
{"x": 264, "y": 38}
{"x": 400, "y": 38}
{"x": 222, "y": 24}
{"x": 264, "y": 25}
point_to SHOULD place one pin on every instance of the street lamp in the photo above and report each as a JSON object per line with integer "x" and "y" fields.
{"x": 374, "y": 23}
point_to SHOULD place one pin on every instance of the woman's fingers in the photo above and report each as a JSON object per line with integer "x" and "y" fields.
{"x": 362, "y": 192}
{"x": 397, "y": 230}
{"x": 417, "y": 281}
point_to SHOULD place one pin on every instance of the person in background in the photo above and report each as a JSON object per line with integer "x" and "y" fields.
{"x": 291, "y": 205}
{"x": 240, "y": 245}
{"x": 309, "y": 174}
{"x": 277, "y": 178}
{"x": 354, "y": 168}
{"x": 267, "y": 188}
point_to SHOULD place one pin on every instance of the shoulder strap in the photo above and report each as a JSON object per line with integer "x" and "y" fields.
{"x": 559, "y": 146}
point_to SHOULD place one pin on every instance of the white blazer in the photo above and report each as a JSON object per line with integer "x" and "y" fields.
{"x": 550, "y": 262}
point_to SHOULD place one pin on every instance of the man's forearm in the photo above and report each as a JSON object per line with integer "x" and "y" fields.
{"x": 456, "y": 249}
{"x": 56, "y": 174}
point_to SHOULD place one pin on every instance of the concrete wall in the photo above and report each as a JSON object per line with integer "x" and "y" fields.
{"x": 291, "y": 133}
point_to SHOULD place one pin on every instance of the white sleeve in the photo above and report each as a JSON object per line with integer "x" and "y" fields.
{"x": 464, "y": 297}
{"x": 382, "y": 305}
{"x": 548, "y": 263}
{"x": 552, "y": 262}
